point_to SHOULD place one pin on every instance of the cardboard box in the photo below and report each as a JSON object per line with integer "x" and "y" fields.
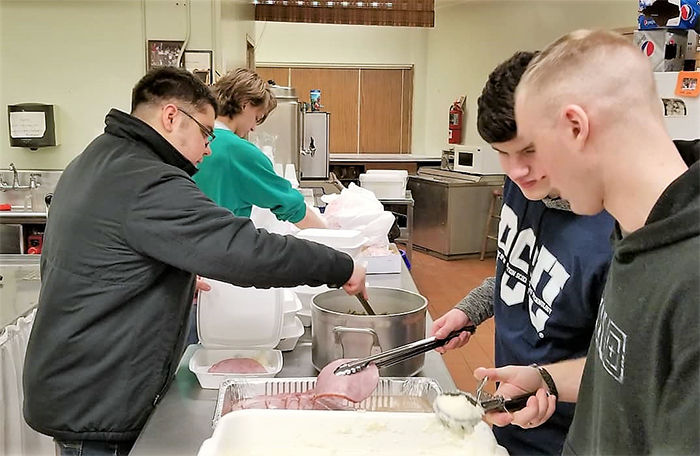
{"x": 384, "y": 264}
{"x": 676, "y": 14}
{"x": 665, "y": 48}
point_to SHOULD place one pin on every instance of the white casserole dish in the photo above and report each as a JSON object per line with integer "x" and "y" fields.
{"x": 323, "y": 433}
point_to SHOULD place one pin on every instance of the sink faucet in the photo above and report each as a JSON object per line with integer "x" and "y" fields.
{"x": 4, "y": 186}
{"x": 15, "y": 176}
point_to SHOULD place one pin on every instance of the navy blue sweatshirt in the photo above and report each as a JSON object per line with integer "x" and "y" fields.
{"x": 550, "y": 273}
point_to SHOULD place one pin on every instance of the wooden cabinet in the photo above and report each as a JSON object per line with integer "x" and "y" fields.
{"x": 338, "y": 96}
{"x": 380, "y": 111}
{"x": 371, "y": 109}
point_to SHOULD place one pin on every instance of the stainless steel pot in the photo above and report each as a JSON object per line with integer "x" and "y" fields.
{"x": 341, "y": 329}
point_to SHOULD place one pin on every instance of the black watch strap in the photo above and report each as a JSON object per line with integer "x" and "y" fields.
{"x": 548, "y": 380}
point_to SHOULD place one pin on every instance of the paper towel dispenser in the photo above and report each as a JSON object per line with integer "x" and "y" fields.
{"x": 32, "y": 125}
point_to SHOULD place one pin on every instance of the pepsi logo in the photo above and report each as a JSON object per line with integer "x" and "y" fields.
{"x": 686, "y": 12}
{"x": 648, "y": 48}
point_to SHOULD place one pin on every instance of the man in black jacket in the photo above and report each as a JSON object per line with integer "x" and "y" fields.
{"x": 127, "y": 233}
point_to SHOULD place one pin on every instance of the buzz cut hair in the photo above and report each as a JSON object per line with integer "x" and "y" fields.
{"x": 592, "y": 65}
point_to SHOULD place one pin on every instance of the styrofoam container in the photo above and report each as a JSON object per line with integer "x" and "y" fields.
{"x": 348, "y": 241}
{"x": 291, "y": 335}
{"x": 325, "y": 432}
{"x": 305, "y": 293}
{"x": 234, "y": 317}
{"x": 290, "y": 307}
{"x": 203, "y": 359}
{"x": 384, "y": 185}
{"x": 305, "y": 316}
{"x": 382, "y": 264}
{"x": 236, "y": 322}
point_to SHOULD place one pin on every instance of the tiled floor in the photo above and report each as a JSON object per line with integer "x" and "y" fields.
{"x": 444, "y": 283}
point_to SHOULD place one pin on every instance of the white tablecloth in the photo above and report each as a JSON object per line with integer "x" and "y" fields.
{"x": 16, "y": 438}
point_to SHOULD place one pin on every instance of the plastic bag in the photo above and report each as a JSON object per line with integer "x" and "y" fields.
{"x": 356, "y": 208}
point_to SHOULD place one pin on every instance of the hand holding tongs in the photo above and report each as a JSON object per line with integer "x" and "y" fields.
{"x": 399, "y": 354}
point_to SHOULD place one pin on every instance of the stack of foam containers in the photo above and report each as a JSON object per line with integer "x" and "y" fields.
{"x": 305, "y": 294}
{"x": 348, "y": 241}
{"x": 292, "y": 326}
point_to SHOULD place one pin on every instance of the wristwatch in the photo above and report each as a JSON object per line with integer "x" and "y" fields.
{"x": 547, "y": 378}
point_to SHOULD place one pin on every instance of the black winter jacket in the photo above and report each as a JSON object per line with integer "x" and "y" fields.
{"x": 127, "y": 232}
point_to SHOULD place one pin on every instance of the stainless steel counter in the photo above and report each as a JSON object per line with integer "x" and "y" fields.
{"x": 183, "y": 418}
{"x": 22, "y": 217}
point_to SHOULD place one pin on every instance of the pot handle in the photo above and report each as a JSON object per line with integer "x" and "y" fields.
{"x": 340, "y": 330}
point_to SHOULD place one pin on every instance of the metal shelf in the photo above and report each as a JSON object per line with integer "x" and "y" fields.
{"x": 406, "y": 233}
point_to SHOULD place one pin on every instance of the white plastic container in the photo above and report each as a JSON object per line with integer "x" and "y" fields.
{"x": 236, "y": 322}
{"x": 290, "y": 335}
{"x": 348, "y": 241}
{"x": 390, "y": 172}
{"x": 385, "y": 185}
{"x": 203, "y": 359}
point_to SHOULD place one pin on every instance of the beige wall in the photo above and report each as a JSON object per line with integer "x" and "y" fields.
{"x": 321, "y": 44}
{"x": 471, "y": 38}
{"x": 454, "y": 58}
{"x": 84, "y": 57}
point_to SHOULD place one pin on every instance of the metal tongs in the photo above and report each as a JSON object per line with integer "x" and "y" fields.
{"x": 399, "y": 354}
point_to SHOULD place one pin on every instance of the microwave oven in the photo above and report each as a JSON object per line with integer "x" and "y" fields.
{"x": 476, "y": 160}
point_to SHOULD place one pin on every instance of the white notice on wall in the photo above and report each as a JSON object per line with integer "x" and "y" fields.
{"x": 27, "y": 124}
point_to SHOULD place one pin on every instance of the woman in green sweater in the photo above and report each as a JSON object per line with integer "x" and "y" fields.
{"x": 237, "y": 175}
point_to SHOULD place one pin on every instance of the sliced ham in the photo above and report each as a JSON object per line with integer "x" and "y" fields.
{"x": 332, "y": 392}
{"x": 355, "y": 387}
{"x": 238, "y": 366}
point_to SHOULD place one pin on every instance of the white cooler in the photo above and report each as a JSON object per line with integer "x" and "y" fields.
{"x": 236, "y": 322}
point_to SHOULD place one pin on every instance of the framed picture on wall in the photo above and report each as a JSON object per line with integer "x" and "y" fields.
{"x": 200, "y": 63}
{"x": 164, "y": 53}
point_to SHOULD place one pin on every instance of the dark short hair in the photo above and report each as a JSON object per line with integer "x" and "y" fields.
{"x": 495, "y": 118}
{"x": 164, "y": 83}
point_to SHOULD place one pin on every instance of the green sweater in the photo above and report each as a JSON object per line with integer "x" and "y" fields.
{"x": 237, "y": 176}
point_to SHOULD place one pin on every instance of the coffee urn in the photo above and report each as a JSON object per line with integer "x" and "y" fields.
{"x": 282, "y": 128}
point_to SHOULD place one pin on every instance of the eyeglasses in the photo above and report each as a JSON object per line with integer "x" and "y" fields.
{"x": 207, "y": 132}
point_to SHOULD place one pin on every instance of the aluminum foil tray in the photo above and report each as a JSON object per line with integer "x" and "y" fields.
{"x": 400, "y": 394}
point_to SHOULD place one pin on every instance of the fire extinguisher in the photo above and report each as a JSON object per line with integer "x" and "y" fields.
{"x": 456, "y": 117}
